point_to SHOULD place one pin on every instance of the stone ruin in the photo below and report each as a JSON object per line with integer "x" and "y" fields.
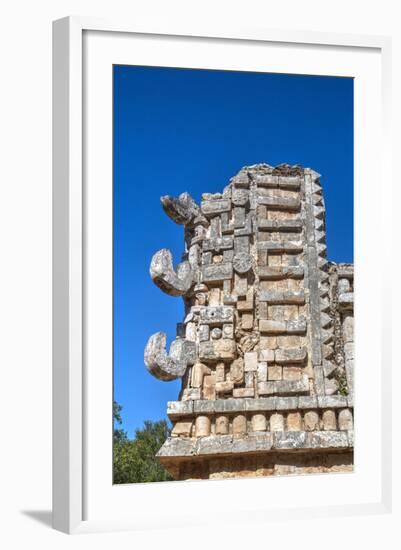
{"x": 265, "y": 352}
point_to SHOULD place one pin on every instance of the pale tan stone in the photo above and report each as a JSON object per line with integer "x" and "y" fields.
{"x": 202, "y": 426}
{"x": 311, "y": 421}
{"x": 237, "y": 371}
{"x": 214, "y": 297}
{"x": 266, "y": 355}
{"x": 240, "y": 285}
{"x": 220, "y": 372}
{"x": 251, "y": 361}
{"x": 247, "y": 321}
{"x": 225, "y": 348}
{"x": 239, "y": 424}
{"x": 294, "y": 422}
{"x": 289, "y": 341}
{"x": 268, "y": 342}
{"x": 275, "y": 372}
{"x": 244, "y": 392}
{"x": 199, "y": 370}
{"x": 222, "y": 425}
{"x": 292, "y": 373}
{"x": 272, "y": 327}
{"x": 329, "y": 420}
{"x": 276, "y": 421}
{"x": 182, "y": 429}
{"x": 345, "y": 420}
{"x": 259, "y": 423}
{"x": 274, "y": 259}
{"x": 224, "y": 387}
{"x": 262, "y": 372}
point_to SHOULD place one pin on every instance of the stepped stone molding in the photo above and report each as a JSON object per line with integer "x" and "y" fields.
{"x": 265, "y": 351}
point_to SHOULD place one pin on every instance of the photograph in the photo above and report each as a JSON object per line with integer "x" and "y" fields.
{"x": 233, "y": 274}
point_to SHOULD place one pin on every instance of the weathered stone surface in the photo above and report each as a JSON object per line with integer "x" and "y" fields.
{"x": 259, "y": 423}
{"x": 282, "y": 297}
{"x": 290, "y": 355}
{"x": 218, "y": 243}
{"x": 329, "y": 420}
{"x": 182, "y": 210}
{"x": 242, "y": 262}
{"x": 280, "y": 203}
{"x": 224, "y": 387}
{"x": 345, "y": 420}
{"x": 222, "y": 425}
{"x": 168, "y": 366}
{"x": 215, "y": 207}
{"x": 283, "y": 247}
{"x": 243, "y": 392}
{"x": 293, "y": 326}
{"x": 179, "y": 408}
{"x": 202, "y": 426}
{"x": 266, "y": 388}
{"x": 182, "y": 429}
{"x": 294, "y": 422}
{"x": 311, "y": 421}
{"x": 346, "y": 300}
{"x": 217, "y": 272}
{"x": 289, "y": 440}
{"x": 266, "y": 346}
{"x": 163, "y": 275}
{"x": 324, "y": 440}
{"x": 237, "y": 371}
{"x": 332, "y": 401}
{"x": 266, "y": 355}
{"x": 278, "y": 272}
{"x": 216, "y": 315}
{"x": 239, "y": 424}
{"x": 251, "y": 361}
{"x": 285, "y": 225}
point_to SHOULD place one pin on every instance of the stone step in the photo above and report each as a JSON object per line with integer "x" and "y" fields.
{"x": 280, "y": 203}
{"x": 282, "y": 297}
{"x": 275, "y": 273}
{"x": 295, "y": 326}
{"x": 281, "y": 247}
{"x": 280, "y": 225}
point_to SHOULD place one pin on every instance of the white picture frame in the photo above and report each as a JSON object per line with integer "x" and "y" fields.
{"x": 76, "y": 479}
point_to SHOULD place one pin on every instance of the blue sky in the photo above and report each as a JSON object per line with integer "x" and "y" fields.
{"x": 190, "y": 130}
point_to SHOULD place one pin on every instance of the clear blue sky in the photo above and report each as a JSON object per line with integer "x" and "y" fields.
{"x": 181, "y": 130}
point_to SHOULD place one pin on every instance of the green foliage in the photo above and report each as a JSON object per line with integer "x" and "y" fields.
{"x": 119, "y": 435}
{"x": 135, "y": 460}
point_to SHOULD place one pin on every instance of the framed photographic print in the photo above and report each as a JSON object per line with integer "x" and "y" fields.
{"x": 214, "y": 292}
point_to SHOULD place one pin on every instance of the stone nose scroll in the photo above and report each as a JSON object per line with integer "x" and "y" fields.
{"x": 172, "y": 365}
{"x": 163, "y": 274}
{"x": 182, "y": 210}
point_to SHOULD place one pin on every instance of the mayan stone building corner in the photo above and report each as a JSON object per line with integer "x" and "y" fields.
{"x": 265, "y": 351}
